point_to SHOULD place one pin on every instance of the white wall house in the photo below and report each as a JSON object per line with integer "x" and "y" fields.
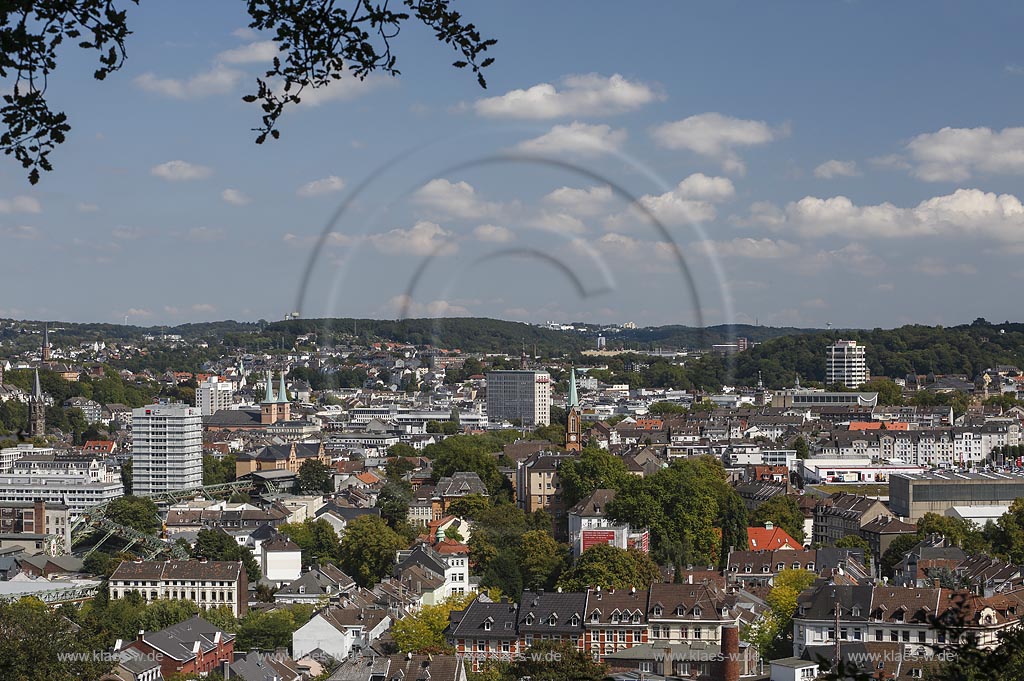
{"x": 339, "y": 631}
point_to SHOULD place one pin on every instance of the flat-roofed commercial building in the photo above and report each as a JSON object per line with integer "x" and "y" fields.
{"x": 913, "y": 495}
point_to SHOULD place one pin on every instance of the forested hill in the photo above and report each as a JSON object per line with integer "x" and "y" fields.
{"x": 968, "y": 349}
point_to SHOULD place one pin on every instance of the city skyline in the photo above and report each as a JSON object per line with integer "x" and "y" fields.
{"x": 872, "y": 185}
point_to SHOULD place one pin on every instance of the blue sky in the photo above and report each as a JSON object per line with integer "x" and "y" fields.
{"x": 846, "y": 162}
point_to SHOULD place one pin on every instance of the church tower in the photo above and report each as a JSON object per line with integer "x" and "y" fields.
{"x": 46, "y": 343}
{"x": 37, "y": 410}
{"x": 284, "y": 405}
{"x": 269, "y": 406}
{"x": 573, "y": 430}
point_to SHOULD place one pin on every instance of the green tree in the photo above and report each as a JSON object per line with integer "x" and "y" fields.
{"x": 422, "y": 632}
{"x": 136, "y": 512}
{"x": 853, "y": 541}
{"x": 219, "y": 545}
{"x": 218, "y": 470}
{"x": 314, "y": 476}
{"x": 595, "y": 468}
{"x": 393, "y": 502}
{"x": 126, "y": 476}
{"x": 666, "y": 409}
{"x": 270, "y": 630}
{"x": 317, "y": 539}
{"x": 556, "y": 661}
{"x": 800, "y": 445}
{"x": 319, "y": 42}
{"x": 368, "y": 549}
{"x": 610, "y": 568}
{"x": 897, "y": 551}
{"x": 542, "y": 558}
{"x": 783, "y": 511}
{"x": 734, "y": 529}
{"x": 40, "y": 644}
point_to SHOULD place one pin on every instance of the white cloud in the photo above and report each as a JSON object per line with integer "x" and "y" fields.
{"x": 590, "y": 201}
{"x": 575, "y": 138}
{"x": 454, "y": 199}
{"x": 256, "y": 52}
{"x": 834, "y": 168}
{"x": 965, "y": 212}
{"x": 205, "y": 234}
{"x": 691, "y": 201}
{"x": 494, "y": 234}
{"x": 203, "y": 307}
{"x": 139, "y": 312}
{"x": 218, "y": 80}
{"x": 127, "y": 233}
{"x": 422, "y": 239}
{"x": 178, "y": 171}
{"x": 757, "y": 249}
{"x": 891, "y": 161}
{"x": 20, "y": 204}
{"x": 346, "y": 88}
{"x": 326, "y": 185}
{"x": 716, "y": 136}
{"x": 234, "y": 197}
{"x": 87, "y": 207}
{"x": 936, "y": 267}
{"x": 562, "y": 223}
{"x": 581, "y": 95}
{"x": 435, "y": 308}
{"x": 26, "y": 232}
{"x": 703, "y": 188}
{"x": 954, "y": 154}
{"x": 245, "y": 33}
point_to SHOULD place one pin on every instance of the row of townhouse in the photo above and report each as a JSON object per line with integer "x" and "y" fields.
{"x": 599, "y": 622}
{"x": 947, "y": 447}
{"x": 905, "y": 615}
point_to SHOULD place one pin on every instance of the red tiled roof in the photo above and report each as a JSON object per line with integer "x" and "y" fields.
{"x": 762, "y": 539}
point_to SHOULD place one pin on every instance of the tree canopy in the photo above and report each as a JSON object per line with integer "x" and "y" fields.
{"x": 319, "y": 42}
{"x": 609, "y": 567}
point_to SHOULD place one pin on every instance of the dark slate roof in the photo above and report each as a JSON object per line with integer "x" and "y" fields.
{"x": 473, "y": 622}
{"x": 265, "y": 668}
{"x": 595, "y": 505}
{"x": 820, "y": 603}
{"x": 542, "y": 605}
{"x": 622, "y": 603}
{"x": 178, "y": 569}
{"x": 177, "y": 640}
{"x": 348, "y": 513}
{"x": 233, "y": 418}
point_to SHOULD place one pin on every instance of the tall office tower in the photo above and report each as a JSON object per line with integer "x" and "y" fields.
{"x": 167, "y": 448}
{"x": 846, "y": 363}
{"x": 522, "y": 395}
{"x": 213, "y": 394}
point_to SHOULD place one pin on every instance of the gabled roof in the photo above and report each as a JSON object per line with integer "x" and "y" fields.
{"x": 178, "y": 640}
{"x": 770, "y": 538}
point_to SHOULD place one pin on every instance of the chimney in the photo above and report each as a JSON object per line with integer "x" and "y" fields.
{"x": 689, "y": 578}
{"x": 142, "y": 633}
{"x": 730, "y": 653}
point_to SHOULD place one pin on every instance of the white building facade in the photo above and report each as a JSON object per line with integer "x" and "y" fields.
{"x": 846, "y": 363}
{"x": 167, "y": 448}
{"x": 213, "y": 394}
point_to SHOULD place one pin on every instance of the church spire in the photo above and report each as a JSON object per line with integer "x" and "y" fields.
{"x": 46, "y": 343}
{"x": 282, "y": 393}
{"x": 269, "y": 397}
{"x": 37, "y": 389}
{"x": 573, "y": 398}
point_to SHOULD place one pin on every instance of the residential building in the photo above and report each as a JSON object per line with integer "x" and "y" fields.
{"x": 770, "y": 538}
{"x": 590, "y": 525}
{"x": 451, "y": 488}
{"x": 214, "y": 394}
{"x": 193, "y": 647}
{"x": 167, "y": 448}
{"x": 37, "y": 517}
{"x": 280, "y": 560}
{"x": 90, "y": 409}
{"x": 340, "y": 631}
{"x": 207, "y": 583}
{"x": 8, "y": 455}
{"x": 846, "y": 364}
{"x": 520, "y": 396}
{"x": 538, "y": 486}
{"x": 76, "y": 481}
{"x": 844, "y": 514}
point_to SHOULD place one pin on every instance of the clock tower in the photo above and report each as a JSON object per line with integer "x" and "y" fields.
{"x": 573, "y": 430}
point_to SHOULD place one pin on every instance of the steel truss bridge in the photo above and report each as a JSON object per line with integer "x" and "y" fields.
{"x": 94, "y": 520}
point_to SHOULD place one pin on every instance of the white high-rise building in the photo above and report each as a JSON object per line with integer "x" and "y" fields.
{"x": 846, "y": 363}
{"x": 213, "y": 394}
{"x": 522, "y": 395}
{"x": 167, "y": 448}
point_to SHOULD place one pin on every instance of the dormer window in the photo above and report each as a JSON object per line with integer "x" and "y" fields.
{"x": 746, "y": 569}
{"x": 779, "y": 567}
{"x": 529, "y": 619}
{"x": 810, "y": 566}
{"x": 552, "y": 620}
{"x": 636, "y": 618}
{"x": 855, "y": 611}
{"x": 679, "y": 611}
{"x": 615, "y": 618}
{"x": 657, "y": 611}
{"x": 487, "y": 625}
{"x": 595, "y": 616}
{"x": 574, "y": 621}
{"x": 696, "y": 611}
{"x": 796, "y": 566}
